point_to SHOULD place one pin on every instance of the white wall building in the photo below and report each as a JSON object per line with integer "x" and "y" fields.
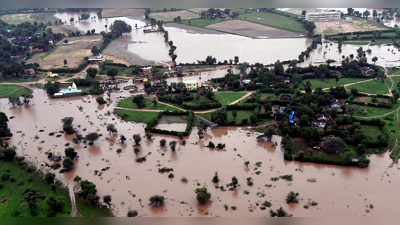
{"x": 323, "y": 16}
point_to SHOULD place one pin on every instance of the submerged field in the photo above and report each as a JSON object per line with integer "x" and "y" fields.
{"x": 169, "y": 16}
{"x": 29, "y": 17}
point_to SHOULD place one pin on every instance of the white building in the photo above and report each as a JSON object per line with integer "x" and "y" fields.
{"x": 323, "y": 16}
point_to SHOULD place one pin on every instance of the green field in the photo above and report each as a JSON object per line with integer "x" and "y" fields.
{"x": 19, "y": 80}
{"x": 241, "y": 114}
{"x": 393, "y": 72}
{"x": 356, "y": 42}
{"x": 201, "y": 22}
{"x": 382, "y": 41}
{"x": 273, "y": 20}
{"x": 316, "y": 84}
{"x": 375, "y": 111}
{"x": 12, "y": 90}
{"x": 169, "y": 16}
{"x": 228, "y": 97}
{"x": 127, "y": 103}
{"x": 372, "y": 87}
{"x": 136, "y": 116}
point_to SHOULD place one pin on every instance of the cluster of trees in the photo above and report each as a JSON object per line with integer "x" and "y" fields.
{"x": 4, "y": 130}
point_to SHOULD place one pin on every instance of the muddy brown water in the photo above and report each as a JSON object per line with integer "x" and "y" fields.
{"x": 339, "y": 191}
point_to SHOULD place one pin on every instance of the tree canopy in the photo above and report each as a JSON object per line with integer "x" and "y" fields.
{"x": 120, "y": 27}
{"x": 334, "y": 145}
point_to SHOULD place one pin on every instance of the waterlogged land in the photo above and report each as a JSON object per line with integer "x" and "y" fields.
{"x": 126, "y": 188}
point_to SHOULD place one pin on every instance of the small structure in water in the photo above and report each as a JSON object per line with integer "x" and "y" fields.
{"x": 56, "y": 156}
{"x": 71, "y": 91}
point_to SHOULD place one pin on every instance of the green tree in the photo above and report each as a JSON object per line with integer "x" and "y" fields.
{"x": 219, "y": 116}
{"x": 71, "y": 20}
{"x": 91, "y": 137}
{"x": 139, "y": 101}
{"x": 95, "y": 50}
{"x": 310, "y": 26}
{"x": 279, "y": 213}
{"x": 88, "y": 188}
{"x": 70, "y": 152}
{"x": 270, "y": 132}
{"x": 347, "y": 158}
{"x": 253, "y": 118}
{"x": 334, "y": 145}
{"x": 120, "y": 27}
{"x": 68, "y": 129}
{"x": 112, "y": 72}
{"x": 304, "y": 119}
{"x": 65, "y": 62}
{"x": 49, "y": 177}
{"x": 278, "y": 68}
{"x": 374, "y": 59}
{"x": 133, "y": 213}
{"x": 202, "y": 195}
{"x": 67, "y": 163}
{"x": 85, "y": 16}
{"x": 234, "y": 184}
{"x": 4, "y": 130}
{"x": 396, "y": 95}
{"x": 107, "y": 199}
{"x": 156, "y": 200}
{"x": 56, "y": 203}
{"x": 67, "y": 120}
{"x": 234, "y": 114}
{"x": 77, "y": 178}
{"x": 111, "y": 128}
{"x": 9, "y": 154}
{"x": 172, "y": 144}
{"x": 163, "y": 142}
{"x": 92, "y": 72}
{"x": 354, "y": 91}
{"x": 100, "y": 100}
{"x": 215, "y": 178}
{"x": 137, "y": 139}
{"x": 292, "y": 197}
{"x": 122, "y": 138}
{"x": 236, "y": 60}
{"x": 303, "y": 13}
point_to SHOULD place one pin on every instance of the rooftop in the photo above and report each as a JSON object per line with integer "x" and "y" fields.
{"x": 190, "y": 81}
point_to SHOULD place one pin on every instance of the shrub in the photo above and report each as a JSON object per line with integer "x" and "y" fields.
{"x": 49, "y": 177}
{"x": 184, "y": 179}
{"x": 132, "y": 213}
{"x": 100, "y": 100}
{"x": 171, "y": 175}
{"x": 202, "y": 195}
{"x": 5, "y": 176}
{"x": 12, "y": 179}
{"x": 211, "y": 144}
{"x": 215, "y": 178}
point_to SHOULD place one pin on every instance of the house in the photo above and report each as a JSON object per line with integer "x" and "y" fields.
{"x": 282, "y": 109}
{"x": 53, "y": 75}
{"x": 48, "y": 48}
{"x": 140, "y": 79}
{"x": 179, "y": 68}
{"x": 323, "y": 16}
{"x": 37, "y": 50}
{"x": 93, "y": 59}
{"x": 56, "y": 156}
{"x": 336, "y": 104}
{"x": 286, "y": 97}
{"x": 17, "y": 57}
{"x": 83, "y": 75}
{"x": 29, "y": 71}
{"x": 286, "y": 80}
{"x": 207, "y": 13}
{"x": 192, "y": 84}
{"x": 245, "y": 82}
{"x": 158, "y": 85}
{"x": 349, "y": 19}
{"x": 130, "y": 87}
{"x": 323, "y": 117}
{"x": 146, "y": 71}
{"x": 206, "y": 86}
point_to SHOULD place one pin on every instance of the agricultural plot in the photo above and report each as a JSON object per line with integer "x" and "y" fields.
{"x": 274, "y": 20}
{"x": 29, "y": 17}
{"x": 228, "y": 97}
{"x": 372, "y": 87}
{"x": 74, "y": 51}
{"x": 122, "y": 12}
{"x": 251, "y": 29}
{"x": 169, "y": 16}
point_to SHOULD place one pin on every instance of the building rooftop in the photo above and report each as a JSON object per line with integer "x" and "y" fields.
{"x": 72, "y": 91}
{"x": 190, "y": 81}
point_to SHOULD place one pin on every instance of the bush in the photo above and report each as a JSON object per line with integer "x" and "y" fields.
{"x": 12, "y": 179}
{"x": 171, "y": 175}
{"x": 67, "y": 128}
{"x": 184, "y": 179}
{"x": 100, "y": 100}
{"x": 202, "y": 195}
{"x": 5, "y": 176}
{"x": 49, "y": 177}
{"x": 132, "y": 213}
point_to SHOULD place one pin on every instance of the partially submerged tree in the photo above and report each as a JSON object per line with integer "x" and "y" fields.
{"x": 49, "y": 177}
{"x": 215, "y": 178}
{"x": 67, "y": 163}
{"x": 70, "y": 152}
{"x": 107, "y": 199}
{"x": 172, "y": 144}
{"x": 67, "y": 120}
{"x": 156, "y": 200}
{"x": 137, "y": 139}
{"x": 111, "y": 128}
{"x": 270, "y": 132}
{"x": 202, "y": 195}
{"x": 292, "y": 197}
{"x": 91, "y": 137}
{"x": 163, "y": 142}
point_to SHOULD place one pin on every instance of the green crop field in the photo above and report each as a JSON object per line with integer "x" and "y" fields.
{"x": 375, "y": 111}
{"x": 136, "y": 116}
{"x": 241, "y": 114}
{"x": 273, "y": 20}
{"x": 372, "y": 87}
{"x": 127, "y": 103}
{"x": 228, "y": 97}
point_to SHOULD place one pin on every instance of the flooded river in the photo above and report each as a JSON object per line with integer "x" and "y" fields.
{"x": 339, "y": 191}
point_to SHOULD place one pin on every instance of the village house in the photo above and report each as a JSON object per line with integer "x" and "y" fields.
{"x": 321, "y": 120}
{"x": 191, "y": 84}
{"x": 83, "y": 75}
{"x": 282, "y": 109}
{"x": 140, "y": 79}
{"x": 29, "y": 71}
{"x": 146, "y": 71}
{"x": 206, "y": 86}
{"x": 336, "y": 104}
{"x": 37, "y": 50}
{"x": 158, "y": 85}
{"x": 367, "y": 70}
{"x": 48, "y": 48}
{"x": 178, "y": 68}
{"x": 285, "y": 97}
{"x": 96, "y": 59}
{"x": 200, "y": 92}
{"x": 286, "y": 80}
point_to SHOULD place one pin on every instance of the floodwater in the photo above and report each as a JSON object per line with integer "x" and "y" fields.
{"x": 172, "y": 126}
{"x": 339, "y": 191}
{"x": 194, "y": 46}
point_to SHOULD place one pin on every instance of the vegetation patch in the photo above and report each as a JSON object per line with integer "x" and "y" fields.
{"x": 135, "y": 116}
{"x": 228, "y": 97}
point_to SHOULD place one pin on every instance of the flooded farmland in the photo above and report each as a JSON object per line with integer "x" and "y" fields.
{"x": 192, "y": 46}
{"x": 339, "y": 191}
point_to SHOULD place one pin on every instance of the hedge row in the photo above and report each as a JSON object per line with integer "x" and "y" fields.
{"x": 316, "y": 159}
{"x": 152, "y": 122}
{"x": 250, "y": 106}
{"x": 199, "y": 107}
{"x": 379, "y": 105}
{"x": 360, "y": 32}
{"x": 266, "y": 115}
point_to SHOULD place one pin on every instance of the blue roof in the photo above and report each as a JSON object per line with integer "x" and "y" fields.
{"x": 291, "y": 116}
{"x": 13, "y": 38}
{"x": 72, "y": 91}
{"x": 292, "y": 112}
{"x": 281, "y": 111}
{"x": 291, "y": 122}
{"x": 8, "y": 31}
{"x": 30, "y": 37}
